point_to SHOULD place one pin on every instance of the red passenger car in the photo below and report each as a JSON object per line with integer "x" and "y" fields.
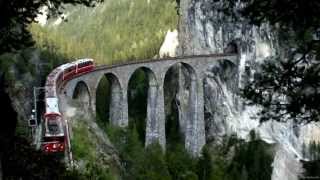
{"x": 54, "y": 139}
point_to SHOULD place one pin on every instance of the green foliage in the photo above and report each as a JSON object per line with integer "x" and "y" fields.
{"x": 131, "y": 150}
{"x": 154, "y": 165}
{"x": 234, "y": 159}
{"x": 287, "y": 87}
{"x": 180, "y": 163}
{"x": 137, "y": 102}
{"x": 29, "y": 62}
{"x": 286, "y": 90}
{"x": 15, "y": 16}
{"x": 252, "y": 160}
{"x": 206, "y": 169}
{"x": 84, "y": 149}
{"x": 103, "y": 101}
{"x": 22, "y": 161}
{"x": 20, "y": 61}
{"x": 230, "y": 160}
{"x": 97, "y": 172}
{"x": 114, "y": 31}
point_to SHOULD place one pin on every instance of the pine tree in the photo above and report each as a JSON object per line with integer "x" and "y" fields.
{"x": 294, "y": 75}
{"x": 205, "y": 165}
{"x": 16, "y": 16}
{"x": 153, "y": 165}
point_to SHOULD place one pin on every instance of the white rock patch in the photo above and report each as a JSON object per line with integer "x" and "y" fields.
{"x": 170, "y": 44}
{"x": 42, "y": 17}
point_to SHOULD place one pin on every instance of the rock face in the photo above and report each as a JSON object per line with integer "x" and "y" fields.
{"x": 205, "y": 30}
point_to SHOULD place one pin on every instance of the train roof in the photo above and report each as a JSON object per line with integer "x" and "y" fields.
{"x": 53, "y": 76}
{"x": 83, "y": 60}
{"x": 52, "y": 105}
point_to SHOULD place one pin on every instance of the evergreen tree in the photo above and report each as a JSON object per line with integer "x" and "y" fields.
{"x": 17, "y": 15}
{"x": 252, "y": 160}
{"x": 205, "y": 165}
{"x": 132, "y": 154}
{"x": 180, "y": 163}
{"x": 153, "y": 166}
{"x": 287, "y": 86}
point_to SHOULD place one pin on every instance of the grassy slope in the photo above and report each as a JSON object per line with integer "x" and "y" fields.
{"x": 117, "y": 30}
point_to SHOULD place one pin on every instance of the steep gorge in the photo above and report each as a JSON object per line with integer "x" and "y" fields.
{"x": 203, "y": 29}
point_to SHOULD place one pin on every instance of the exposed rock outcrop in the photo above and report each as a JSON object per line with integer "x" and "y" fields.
{"x": 170, "y": 44}
{"x": 203, "y": 29}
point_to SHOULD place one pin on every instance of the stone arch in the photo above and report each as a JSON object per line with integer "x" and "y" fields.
{"x": 109, "y": 99}
{"x": 81, "y": 93}
{"x": 186, "y": 102}
{"x": 152, "y": 78}
{"x": 233, "y": 47}
{"x": 148, "y": 102}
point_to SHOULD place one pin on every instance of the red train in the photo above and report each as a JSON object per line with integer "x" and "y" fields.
{"x": 55, "y": 134}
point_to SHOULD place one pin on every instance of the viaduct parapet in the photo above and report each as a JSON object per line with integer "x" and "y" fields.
{"x": 119, "y": 76}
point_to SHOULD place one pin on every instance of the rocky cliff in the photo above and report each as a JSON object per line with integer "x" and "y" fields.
{"x": 21, "y": 75}
{"x": 203, "y": 29}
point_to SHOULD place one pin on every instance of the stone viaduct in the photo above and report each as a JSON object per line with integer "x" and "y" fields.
{"x": 119, "y": 76}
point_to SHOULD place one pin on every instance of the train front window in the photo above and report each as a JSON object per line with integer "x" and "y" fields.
{"x": 54, "y": 126}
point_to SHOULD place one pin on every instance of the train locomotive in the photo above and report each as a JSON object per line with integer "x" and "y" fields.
{"x": 54, "y": 138}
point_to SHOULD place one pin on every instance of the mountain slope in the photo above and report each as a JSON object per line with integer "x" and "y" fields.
{"x": 113, "y": 31}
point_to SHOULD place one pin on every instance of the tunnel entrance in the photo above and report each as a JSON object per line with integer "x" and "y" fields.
{"x": 141, "y": 90}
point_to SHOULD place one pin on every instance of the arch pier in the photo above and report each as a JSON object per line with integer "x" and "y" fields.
{"x": 191, "y": 119}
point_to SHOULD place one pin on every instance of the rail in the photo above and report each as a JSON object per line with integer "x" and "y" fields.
{"x": 103, "y": 67}
{"x": 161, "y": 59}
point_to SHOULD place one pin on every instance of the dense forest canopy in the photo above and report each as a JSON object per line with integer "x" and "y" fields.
{"x": 16, "y": 152}
{"x": 286, "y": 87}
{"x": 16, "y": 15}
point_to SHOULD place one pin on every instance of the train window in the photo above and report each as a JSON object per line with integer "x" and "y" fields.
{"x": 81, "y": 65}
{"x": 69, "y": 69}
{"x": 53, "y": 125}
